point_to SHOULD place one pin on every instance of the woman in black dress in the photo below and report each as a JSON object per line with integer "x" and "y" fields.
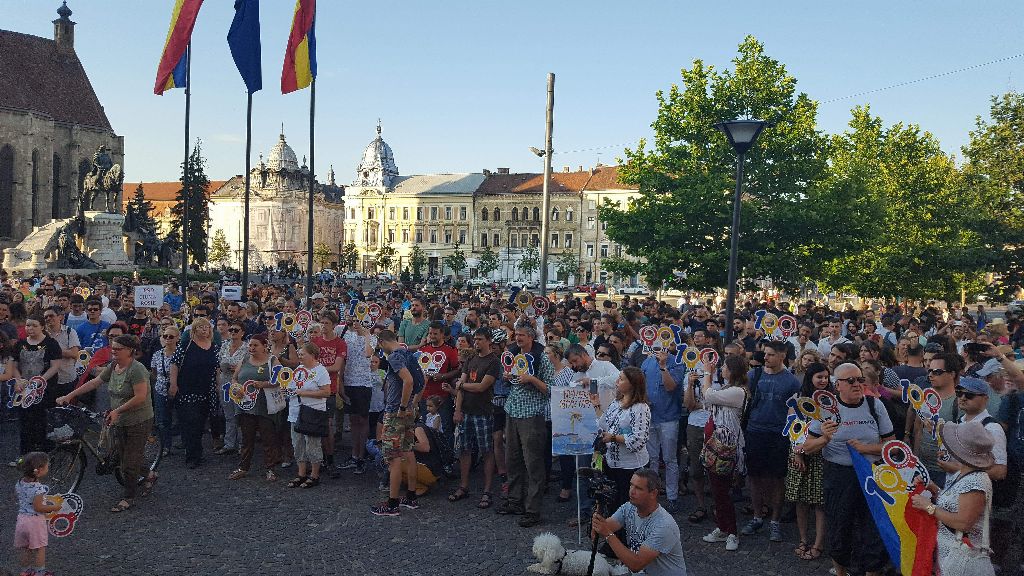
{"x": 193, "y": 387}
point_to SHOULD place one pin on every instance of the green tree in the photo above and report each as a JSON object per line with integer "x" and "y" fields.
{"x": 386, "y": 257}
{"x": 322, "y": 254}
{"x": 530, "y": 262}
{"x": 489, "y": 262}
{"x": 220, "y": 250}
{"x": 143, "y": 210}
{"x": 417, "y": 261}
{"x": 196, "y": 189}
{"x": 688, "y": 177}
{"x": 456, "y": 261}
{"x": 567, "y": 265}
{"x": 349, "y": 257}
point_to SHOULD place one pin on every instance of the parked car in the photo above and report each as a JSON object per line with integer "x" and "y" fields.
{"x": 593, "y": 288}
{"x": 1017, "y": 307}
{"x": 479, "y": 281}
{"x": 521, "y": 284}
{"x": 638, "y": 289}
{"x": 556, "y": 285}
{"x": 353, "y": 276}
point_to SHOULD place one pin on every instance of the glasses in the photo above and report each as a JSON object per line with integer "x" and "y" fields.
{"x": 938, "y": 371}
{"x": 961, "y": 393}
{"x": 853, "y": 379}
{"x": 167, "y": 336}
{"x": 234, "y": 330}
{"x": 581, "y": 330}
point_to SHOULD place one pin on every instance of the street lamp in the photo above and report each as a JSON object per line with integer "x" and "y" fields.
{"x": 741, "y": 134}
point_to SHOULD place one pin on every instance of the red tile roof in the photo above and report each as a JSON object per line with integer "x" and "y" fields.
{"x": 161, "y": 191}
{"x": 600, "y": 178}
{"x": 38, "y": 75}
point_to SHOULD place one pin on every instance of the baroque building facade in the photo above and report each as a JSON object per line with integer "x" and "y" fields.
{"x": 51, "y": 126}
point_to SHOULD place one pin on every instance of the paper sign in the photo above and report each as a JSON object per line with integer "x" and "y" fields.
{"x": 233, "y": 293}
{"x": 573, "y": 421}
{"x": 62, "y": 522}
{"x": 149, "y": 296}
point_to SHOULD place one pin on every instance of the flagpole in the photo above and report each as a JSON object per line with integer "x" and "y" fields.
{"x": 245, "y": 225}
{"x": 309, "y": 226}
{"x": 185, "y": 179}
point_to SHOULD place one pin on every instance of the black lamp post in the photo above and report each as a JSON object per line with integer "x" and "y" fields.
{"x": 741, "y": 134}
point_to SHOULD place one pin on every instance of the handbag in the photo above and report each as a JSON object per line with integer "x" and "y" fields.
{"x": 719, "y": 455}
{"x": 966, "y": 559}
{"x": 274, "y": 395}
{"x": 312, "y": 422}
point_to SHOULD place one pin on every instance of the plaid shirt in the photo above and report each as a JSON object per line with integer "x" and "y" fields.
{"x": 524, "y": 400}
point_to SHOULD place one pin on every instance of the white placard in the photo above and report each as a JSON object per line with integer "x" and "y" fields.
{"x": 149, "y": 296}
{"x": 231, "y": 293}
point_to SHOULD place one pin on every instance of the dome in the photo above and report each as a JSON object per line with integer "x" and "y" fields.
{"x": 282, "y": 157}
{"x": 378, "y": 165}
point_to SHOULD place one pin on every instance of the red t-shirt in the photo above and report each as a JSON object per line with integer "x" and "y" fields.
{"x": 451, "y": 362}
{"x": 330, "y": 351}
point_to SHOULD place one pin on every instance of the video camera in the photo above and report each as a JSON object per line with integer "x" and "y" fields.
{"x": 600, "y": 488}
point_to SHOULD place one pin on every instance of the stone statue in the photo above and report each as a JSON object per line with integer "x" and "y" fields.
{"x": 105, "y": 177}
{"x": 68, "y": 254}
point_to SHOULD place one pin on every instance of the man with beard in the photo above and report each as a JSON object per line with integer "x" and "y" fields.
{"x": 474, "y": 414}
{"x": 411, "y": 331}
{"x": 439, "y": 384}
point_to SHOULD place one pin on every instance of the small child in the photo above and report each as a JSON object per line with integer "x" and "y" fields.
{"x": 30, "y": 534}
{"x": 433, "y": 417}
{"x": 376, "y": 397}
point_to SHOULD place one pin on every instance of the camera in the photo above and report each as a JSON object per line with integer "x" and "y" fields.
{"x": 600, "y": 488}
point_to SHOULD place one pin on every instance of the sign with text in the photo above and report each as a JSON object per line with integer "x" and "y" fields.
{"x": 231, "y": 293}
{"x": 149, "y": 296}
{"x": 573, "y": 421}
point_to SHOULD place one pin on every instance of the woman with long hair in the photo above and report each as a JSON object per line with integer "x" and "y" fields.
{"x": 624, "y": 429}
{"x": 804, "y": 474}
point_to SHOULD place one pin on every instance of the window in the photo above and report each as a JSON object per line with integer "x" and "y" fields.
{"x": 554, "y": 214}
{"x": 462, "y": 212}
{"x": 352, "y": 213}
{"x": 526, "y": 213}
{"x": 536, "y": 239}
{"x": 447, "y": 236}
{"x": 568, "y": 214}
{"x": 405, "y": 213}
{"x": 483, "y": 214}
{"x": 604, "y": 250}
{"x": 604, "y": 225}
{"x": 497, "y": 240}
{"x": 391, "y": 235}
{"x": 592, "y": 204}
{"x": 536, "y": 215}
{"x": 433, "y": 236}
{"x": 568, "y": 240}
{"x": 590, "y": 250}
{"x": 447, "y": 212}
{"x": 433, "y": 212}
{"x": 462, "y": 236}
{"x": 515, "y": 214}
{"x": 405, "y": 236}
{"x": 369, "y": 214}
{"x": 590, "y": 222}
{"x": 514, "y": 241}
{"x": 522, "y": 240}
{"x": 419, "y": 213}
{"x": 392, "y": 213}
{"x": 483, "y": 240}
{"x": 419, "y": 236}
{"x": 497, "y": 215}
{"x": 554, "y": 239}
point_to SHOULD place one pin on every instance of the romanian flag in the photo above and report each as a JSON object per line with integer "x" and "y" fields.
{"x": 909, "y": 534}
{"x": 300, "y": 57}
{"x": 170, "y": 73}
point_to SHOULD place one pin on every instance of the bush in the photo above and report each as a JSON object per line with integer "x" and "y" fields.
{"x": 155, "y": 275}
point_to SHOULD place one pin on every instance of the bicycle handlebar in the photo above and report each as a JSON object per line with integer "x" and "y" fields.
{"x": 92, "y": 415}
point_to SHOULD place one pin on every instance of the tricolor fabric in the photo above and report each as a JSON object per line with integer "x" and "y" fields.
{"x": 909, "y": 534}
{"x": 170, "y": 72}
{"x": 300, "y": 56}
{"x": 244, "y": 41}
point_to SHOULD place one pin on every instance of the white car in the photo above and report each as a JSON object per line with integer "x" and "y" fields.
{"x": 638, "y": 289}
{"x": 521, "y": 284}
{"x": 479, "y": 281}
{"x": 557, "y": 286}
{"x": 352, "y": 276}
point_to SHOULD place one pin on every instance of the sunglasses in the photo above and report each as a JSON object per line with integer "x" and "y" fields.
{"x": 853, "y": 379}
{"x": 234, "y": 330}
{"x": 961, "y": 393}
{"x": 938, "y": 371}
{"x": 167, "y": 336}
{"x": 581, "y": 330}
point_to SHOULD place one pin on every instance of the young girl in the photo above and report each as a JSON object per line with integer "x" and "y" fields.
{"x": 804, "y": 476}
{"x": 30, "y": 533}
{"x": 433, "y": 417}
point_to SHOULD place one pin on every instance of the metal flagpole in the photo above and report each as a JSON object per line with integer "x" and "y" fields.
{"x": 579, "y": 509}
{"x": 185, "y": 178}
{"x": 245, "y": 221}
{"x": 309, "y": 226}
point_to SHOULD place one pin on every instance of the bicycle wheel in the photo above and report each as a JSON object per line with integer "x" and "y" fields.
{"x": 152, "y": 454}
{"x": 67, "y": 467}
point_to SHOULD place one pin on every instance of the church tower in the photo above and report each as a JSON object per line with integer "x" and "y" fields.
{"x": 378, "y": 165}
{"x": 64, "y": 28}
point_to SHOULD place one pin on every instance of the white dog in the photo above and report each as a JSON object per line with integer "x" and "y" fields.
{"x": 555, "y": 559}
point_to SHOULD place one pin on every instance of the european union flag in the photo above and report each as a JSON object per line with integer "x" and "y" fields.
{"x": 244, "y": 40}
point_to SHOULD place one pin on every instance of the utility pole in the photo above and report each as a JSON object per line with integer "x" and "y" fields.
{"x": 549, "y": 121}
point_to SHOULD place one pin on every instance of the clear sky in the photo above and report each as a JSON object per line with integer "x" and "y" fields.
{"x": 460, "y": 86}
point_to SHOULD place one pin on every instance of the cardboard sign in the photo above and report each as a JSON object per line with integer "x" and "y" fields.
{"x": 149, "y": 296}
{"x": 233, "y": 293}
{"x": 573, "y": 421}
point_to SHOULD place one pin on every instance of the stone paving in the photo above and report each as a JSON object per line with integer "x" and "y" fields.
{"x": 198, "y": 522}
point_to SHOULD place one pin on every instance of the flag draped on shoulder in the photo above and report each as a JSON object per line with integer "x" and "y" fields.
{"x": 300, "y": 56}
{"x": 170, "y": 72}
{"x": 244, "y": 41}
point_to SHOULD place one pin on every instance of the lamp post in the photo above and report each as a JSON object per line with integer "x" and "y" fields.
{"x": 546, "y": 154}
{"x": 741, "y": 134}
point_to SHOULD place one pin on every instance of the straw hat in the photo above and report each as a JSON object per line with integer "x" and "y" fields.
{"x": 968, "y": 443}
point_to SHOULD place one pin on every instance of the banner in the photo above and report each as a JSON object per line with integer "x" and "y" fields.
{"x": 233, "y": 293}
{"x": 149, "y": 296}
{"x": 573, "y": 421}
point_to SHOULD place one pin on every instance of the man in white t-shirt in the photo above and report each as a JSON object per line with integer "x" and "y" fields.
{"x": 587, "y": 369}
{"x": 972, "y": 399}
{"x": 830, "y": 337}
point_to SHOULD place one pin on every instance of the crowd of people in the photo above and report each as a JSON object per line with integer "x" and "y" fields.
{"x": 418, "y": 390}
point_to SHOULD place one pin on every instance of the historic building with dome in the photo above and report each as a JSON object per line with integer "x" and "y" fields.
{"x": 51, "y": 125}
{"x": 278, "y": 210}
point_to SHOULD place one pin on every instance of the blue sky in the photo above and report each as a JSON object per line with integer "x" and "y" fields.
{"x": 460, "y": 86}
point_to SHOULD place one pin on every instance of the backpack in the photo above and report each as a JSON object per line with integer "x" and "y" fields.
{"x": 745, "y": 417}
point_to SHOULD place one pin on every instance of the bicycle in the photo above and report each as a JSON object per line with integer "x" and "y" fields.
{"x": 77, "y": 431}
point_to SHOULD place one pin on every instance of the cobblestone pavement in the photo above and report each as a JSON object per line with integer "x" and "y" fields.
{"x": 198, "y": 522}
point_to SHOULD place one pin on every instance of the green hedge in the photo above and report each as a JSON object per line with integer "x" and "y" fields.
{"x": 156, "y": 275}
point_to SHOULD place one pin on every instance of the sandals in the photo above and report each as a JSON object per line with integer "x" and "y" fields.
{"x": 563, "y": 499}
{"x": 271, "y": 477}
{"x": 812, "y": 553}
{"x": 297, "y": 481}
{"x": 460, "y": 493}
{"x": 239, "y": 473}
{"x": 311, "y": 482}
{"x": 121, "y": 506}
{"x": 801, "y": 549}
{"x": 485, "y": 501}
{"x": 698, "y": 515}
{"x": 149, "y": 484}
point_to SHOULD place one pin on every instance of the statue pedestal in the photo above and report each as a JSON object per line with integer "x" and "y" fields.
{"x": 104, "y": 238}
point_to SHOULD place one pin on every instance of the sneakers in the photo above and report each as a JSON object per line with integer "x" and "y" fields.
{"x": 360, "y": 467}
{"x": 732, "y": 543}
{"x": 383, "y": 509}
{"x": 716, "y": 535}
{"x": 383, "y": 487}
{"x": 672, "y": 506}
{"x": 411, "y": 504}
{"x": 775, "y": 532}
{"x": 752, "y": 527}
{"x": 508, "y": 508}
{"x": 348, "y": 464}
{"x": 529, "y": 521}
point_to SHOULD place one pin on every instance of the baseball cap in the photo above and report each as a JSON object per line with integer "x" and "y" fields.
{"x": 318, "y": 296}
{"x": 973, "y": 385}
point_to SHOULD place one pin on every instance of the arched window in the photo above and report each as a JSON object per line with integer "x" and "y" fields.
{"x": 568, "y": 214}
{"x": 55, "y": 202}
{"x": 483, "y": 214}
{"x": 37, "y": 218}
{"x": 536, "y": 214}
{"x": 526, "y": 213}
{"x": 6, "y": 191}
{"x": 497, "y": 214}
{"x": 515, "y": 214}
{"x": 554, "y": 214}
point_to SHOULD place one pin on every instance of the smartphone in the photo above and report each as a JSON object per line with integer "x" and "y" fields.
{"x": 593, "y": 386}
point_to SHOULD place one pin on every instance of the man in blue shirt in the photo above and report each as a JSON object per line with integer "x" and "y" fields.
{"x": 90, "y": 332}
{"x": 664, "y": 391}
{"x": 174, "y": 298}
{"x": 767, "y": 450}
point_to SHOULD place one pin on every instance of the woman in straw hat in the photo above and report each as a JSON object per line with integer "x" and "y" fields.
{"x": 963, "y": 506}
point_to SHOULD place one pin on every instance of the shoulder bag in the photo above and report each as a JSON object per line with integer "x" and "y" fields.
{"x": 312, "y": 422}
{"x": 966, "y": 558}
{"x": 275, "y": 397}
{"x": 719, "y": 454}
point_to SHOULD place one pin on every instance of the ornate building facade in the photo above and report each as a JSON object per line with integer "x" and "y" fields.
{"x": 51, "y": 126}
{"x": 278, "y": 208}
